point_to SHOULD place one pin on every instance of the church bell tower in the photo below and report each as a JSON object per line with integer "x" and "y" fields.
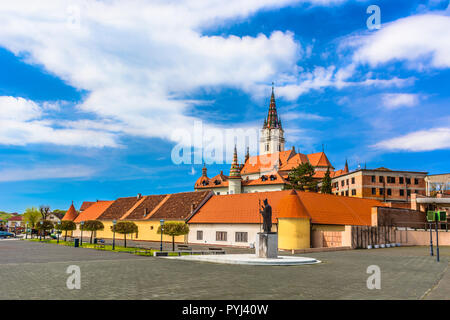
{"x": 272, "y": 134}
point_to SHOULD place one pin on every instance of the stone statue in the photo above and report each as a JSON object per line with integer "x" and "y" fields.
{"x": 266, "y": 212}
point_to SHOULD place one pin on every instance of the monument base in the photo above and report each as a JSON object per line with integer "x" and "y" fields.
{"x": 266, "y": 245}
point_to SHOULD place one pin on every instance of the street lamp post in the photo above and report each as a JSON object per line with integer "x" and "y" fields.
{"x": 57, "y": 232}
{"x": 26, "y": 230}
{"x": 162, "y": 230}
{"x": 114, "y": 234}
{"x": 40, "y": 231}
{"x": 437, "y": 238}
{"x": 81, "y": 236}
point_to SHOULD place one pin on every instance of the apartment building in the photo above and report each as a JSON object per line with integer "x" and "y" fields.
{"x": 380, "y": 184}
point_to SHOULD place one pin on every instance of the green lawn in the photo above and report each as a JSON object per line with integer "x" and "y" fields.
{"x": 106, "y": 247}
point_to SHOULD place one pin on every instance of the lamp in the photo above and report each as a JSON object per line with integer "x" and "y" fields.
{"x": 40, "y": 231}
{"x": 114, "y": 234}
{"x": 162, "y": 230}
{"x": 81, "y": 236}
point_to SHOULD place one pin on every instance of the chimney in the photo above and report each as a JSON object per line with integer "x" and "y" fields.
{"x": 145, "y": 212}
{"x": 192, "y": 208}
{"x": 139, "y": 195}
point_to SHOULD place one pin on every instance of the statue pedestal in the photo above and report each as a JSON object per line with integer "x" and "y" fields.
{"x": 266, "y": 245}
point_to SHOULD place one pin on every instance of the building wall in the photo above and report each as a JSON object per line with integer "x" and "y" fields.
{"x": 209, "y": 233}
{"x": 331, "y": 236}
{"x": 249, "y": 189}
{"x": 422, "y": 238}
{"x": 263, "y": 188}
{"x": 294, "y": 233}
{"x": 147, "y": 231}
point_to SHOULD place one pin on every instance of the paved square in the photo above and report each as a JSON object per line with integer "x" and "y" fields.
{"x": 30, "y": 270}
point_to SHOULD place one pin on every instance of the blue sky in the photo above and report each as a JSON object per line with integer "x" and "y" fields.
{"x": 91, "y": 94}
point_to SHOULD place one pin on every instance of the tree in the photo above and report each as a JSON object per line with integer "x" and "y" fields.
{"x": 45, "y": 211}
{"x": 301, "y": 177}
{"x": 125, "y": 227}
{"x": 59, "y": 213}
{"x": 44, "y": 226}
{"x": 326, "y": 183}
{"x": 66, "y": 225}
{"x": 92, "y": 226}
{"x": 31, "y": 216}
{"x": 174, "y": 229}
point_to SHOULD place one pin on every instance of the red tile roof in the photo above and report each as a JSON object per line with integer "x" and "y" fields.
{"x": 86, "y": 204}
{"x": 178, "y": 206}
{"x": 15, "y": 218}
{"x": 118, "y": 208}
{"x": 319, "y": 159}
{"x": 71, "y": 214}
{"x": 93, "y": 211}
{"x": 322, "y": 208}
{"x": 144, "y": 208}
{"x": 291, "y": 207}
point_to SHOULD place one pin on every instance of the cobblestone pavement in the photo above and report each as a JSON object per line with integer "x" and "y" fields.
{"x": 30, "y": 270}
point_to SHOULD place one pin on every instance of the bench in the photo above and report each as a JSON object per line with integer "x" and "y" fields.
{"x": 141, "y": 249}
{"x": 100, "y": 244}
{"x": 183, "y": 247}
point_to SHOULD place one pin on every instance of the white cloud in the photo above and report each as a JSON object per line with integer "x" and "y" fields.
{"x": 424, "y": 140}
{"x": 18, "y": 109}
{"x": 422, "y": 41}
{"x": 321, "y": 78}
{"x": 138, "y": 58}
{"x": 398, "y": 100}
{"x": 41, "y": 172}
{"x": 21, "y": 123}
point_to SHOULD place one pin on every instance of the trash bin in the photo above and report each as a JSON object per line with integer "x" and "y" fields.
{"x": 95, "y": 240}
{"x": 76, "y": 243}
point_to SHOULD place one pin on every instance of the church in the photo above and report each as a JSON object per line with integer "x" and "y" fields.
{"x": 269, "y": 170}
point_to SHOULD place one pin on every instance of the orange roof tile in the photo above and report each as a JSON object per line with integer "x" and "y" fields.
{"x": 266, "y": 162}
{"x": 118, "y": 208}
{"x": 319, "y": 159}
{"x": 71, "y": 214}
{"x": 291, "y": 207}
{"x": 93, "y": 211}
{"x": 322, "y": 208}
{"x": 331, "y": 209}
{"x": 86, "y": 204}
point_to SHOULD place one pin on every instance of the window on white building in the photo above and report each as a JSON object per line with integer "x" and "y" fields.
{"x": 221, "y": 236}
{"x": 199, "y": 235}
{"x": 241, "y": 237}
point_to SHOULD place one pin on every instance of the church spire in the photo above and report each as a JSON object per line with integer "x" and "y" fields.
{"x": 272, "y": 116}
{"x": 346, "y": 166}
{"x": 234, "y": 171}
{"x": 204, "y": 171}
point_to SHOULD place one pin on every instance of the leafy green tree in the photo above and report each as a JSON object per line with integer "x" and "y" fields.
{"x": 326, "y": 183}
{"x": 66, "y": 225}
{"x": 44, "y": 226}
{"x": 92, "y": 226}
{"x": 32, "y": 216}
{"x": 125, "y": 227}
{"x": 174, "y": 229}
{"x": 301, "y": 177}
